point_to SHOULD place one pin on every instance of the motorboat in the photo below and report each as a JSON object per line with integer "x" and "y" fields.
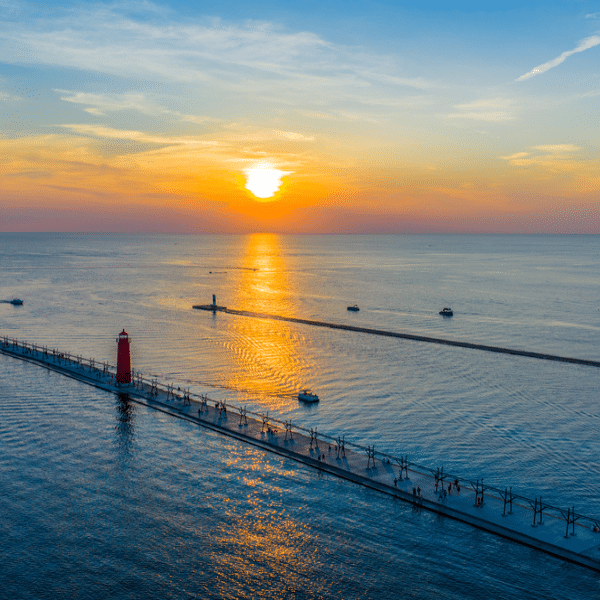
{"x": 446, "y": 312}
{"x": 16, "y": 302}
{"x": 308, "y": 396}
{"x": 354, "y": 308}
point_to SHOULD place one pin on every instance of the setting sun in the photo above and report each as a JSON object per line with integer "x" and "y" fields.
{"x": 263, "y": 180}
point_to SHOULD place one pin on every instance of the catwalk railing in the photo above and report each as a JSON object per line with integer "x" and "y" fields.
{"x": 151, "y": 387}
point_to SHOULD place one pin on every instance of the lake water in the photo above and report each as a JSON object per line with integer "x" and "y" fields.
{"x": 104, "y": 498}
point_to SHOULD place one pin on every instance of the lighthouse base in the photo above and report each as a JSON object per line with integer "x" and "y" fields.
{"x": 123, "y": 378}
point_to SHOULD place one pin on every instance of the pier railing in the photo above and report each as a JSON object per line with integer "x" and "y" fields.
{"x": 152, "y": 387}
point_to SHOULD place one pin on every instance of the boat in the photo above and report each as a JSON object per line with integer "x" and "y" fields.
{"x": 16, "y": 302}
{"x": 354, "y": 308}
{"x": 308, "y": 396}
{"x": 446, "y": 312}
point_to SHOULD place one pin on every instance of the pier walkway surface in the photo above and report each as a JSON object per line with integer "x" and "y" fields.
{"x": 560, "y": 532}
{"x": 397, "y": 334}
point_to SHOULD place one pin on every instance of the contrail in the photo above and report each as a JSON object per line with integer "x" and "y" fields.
{"x": 583, "y": 45}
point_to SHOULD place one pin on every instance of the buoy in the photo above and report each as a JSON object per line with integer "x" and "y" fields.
{"x": 123, "y": 358}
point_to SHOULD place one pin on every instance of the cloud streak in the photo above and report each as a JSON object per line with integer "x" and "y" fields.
{"x": 496, "y": 109}
{"x": 203, "y": 53}
{"x": 555, "y": 158}
{"x": 585, "y": 44}
{"x": 136, "y": 136}
{"x": 102, "y": 104}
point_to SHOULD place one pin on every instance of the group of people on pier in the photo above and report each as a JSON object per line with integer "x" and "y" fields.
{"x": 443, "y": 492}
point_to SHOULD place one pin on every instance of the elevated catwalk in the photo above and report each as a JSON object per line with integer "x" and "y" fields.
{"x": 560, "y": 532}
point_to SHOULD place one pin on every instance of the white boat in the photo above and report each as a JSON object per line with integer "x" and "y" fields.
{"x": 308, "y": 396}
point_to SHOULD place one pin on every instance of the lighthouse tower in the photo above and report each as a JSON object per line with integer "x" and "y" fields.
{"x": 123, "y": 358}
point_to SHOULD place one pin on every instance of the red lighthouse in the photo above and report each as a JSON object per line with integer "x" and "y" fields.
{"x": 123, "y": 358}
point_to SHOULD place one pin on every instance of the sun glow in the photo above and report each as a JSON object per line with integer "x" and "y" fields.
{"x": 263, "y": 180}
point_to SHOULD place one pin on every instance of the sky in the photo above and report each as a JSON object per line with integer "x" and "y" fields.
{"x": 300, "y": 117}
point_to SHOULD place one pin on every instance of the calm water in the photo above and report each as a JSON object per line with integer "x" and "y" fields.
{"x": 101, "y": 498}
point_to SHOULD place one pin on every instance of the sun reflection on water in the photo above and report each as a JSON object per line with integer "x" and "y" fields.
{"x": 265, "y": 354}
{"x": 265, "y": 543}
{"x": 279, "y": 544}
{"x": 264, "y": 284}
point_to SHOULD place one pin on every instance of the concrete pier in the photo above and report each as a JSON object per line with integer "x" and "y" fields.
{"x": 405, "y": 336}
{"x": 561, "y": 532}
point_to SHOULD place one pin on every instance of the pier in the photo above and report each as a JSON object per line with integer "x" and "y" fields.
{"x": 559, "y": 531}
{"x": 396, "y": 334}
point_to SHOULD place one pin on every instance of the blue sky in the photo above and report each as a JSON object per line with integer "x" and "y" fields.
{"x": 377, "y": 112}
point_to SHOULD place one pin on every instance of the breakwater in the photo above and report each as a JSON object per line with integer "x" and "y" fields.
{"x": 397, "y": 334}
{"x": 559, "y": 531}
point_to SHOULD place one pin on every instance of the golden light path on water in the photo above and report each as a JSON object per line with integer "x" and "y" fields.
{"x": 265, "y": 354}
{"x": 266, "y": 536}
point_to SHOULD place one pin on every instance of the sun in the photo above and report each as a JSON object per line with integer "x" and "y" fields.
{"x": 264, "y": 180}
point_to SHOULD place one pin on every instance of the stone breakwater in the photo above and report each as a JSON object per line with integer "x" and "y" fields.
{"x": 561, "y": 532}
{"x": 396, "y": 334}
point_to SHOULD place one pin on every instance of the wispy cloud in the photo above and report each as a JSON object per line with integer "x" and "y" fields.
{"x": 593, "y": 16}
{"x": 136, "y": 136}
{"x": 516, "y": 155}
{"x": 483, "y": 116}
{"x": 494, "y": 109}
{"x": 4, "y": 97}
{"x": 102, "y": 104}
{"x": 252, "y": 59}
{"x": 225, "y": 139}
{"x": 560, "y": 163}
{"x": 585, "y": 44}
{"x": 293, "y": 136}
{"x": 557, "y": 148}
{"x": 554, "y": 157}
{"x": 414, "y": 82}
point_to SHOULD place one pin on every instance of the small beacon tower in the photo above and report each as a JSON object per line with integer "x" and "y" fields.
{"x": 123, "y": 358}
